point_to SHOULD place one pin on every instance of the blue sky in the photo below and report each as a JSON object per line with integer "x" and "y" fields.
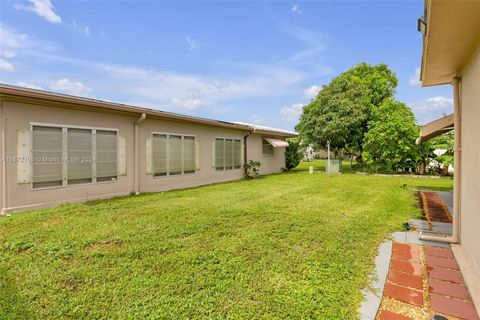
{"x": 255, "y": 62}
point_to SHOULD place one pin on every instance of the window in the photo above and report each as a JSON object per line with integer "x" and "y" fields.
{"x": 47, "y": 151}
{"x": 70, "y": 156}
{"x": 188, "y": 154}
{"x": 267, "y": 148}
{"x": 159, "y": 154}
{"x": 219, "y": 154}
{"x": 237, "y": 154}
{"x": 106, "y": 156}
{"x": 173, "y": 154}
{"x": 228, "y": 154}
{"x": 79, "y": 155}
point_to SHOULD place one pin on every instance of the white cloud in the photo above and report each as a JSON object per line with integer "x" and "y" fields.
{"x": 162, "y": 89}
{"x": 292, "y": 112}
{"x": 441, "y": 102}
{"x": 190, "y": 91}
{"x": 6, "y": 66}
{"x": 43, "y": 8}
{"x": 309, "y": 56}
{"x": 11, "y": 40}
{"x": 438, "y": 103}
{"x": 415, "y": 78}
{"x": 314, "y": 41}
{"x": 82, "y": 28}
{"x": 7, "y": 54}
{"x": 431, "y": 108}
{"x": 223, "y": 110}
{"x": 256, "y": 119}
{"x": 312, "y": 91}
{"x": 71, "y": 87}
{"x": 28, "y": 85}
{"x": 192, "y": 43}
{"x": 189, "y": 103}
{"x": 296, "y": 9}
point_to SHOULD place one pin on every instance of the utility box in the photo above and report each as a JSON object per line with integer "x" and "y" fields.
{"x": 333, "y": 166}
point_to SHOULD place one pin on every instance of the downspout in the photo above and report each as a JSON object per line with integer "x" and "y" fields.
{"x": 245, "y": 157}
{"x": 457, "y": 177}
{"x": 136, "y": 151}
{"x": 4, "y": 161}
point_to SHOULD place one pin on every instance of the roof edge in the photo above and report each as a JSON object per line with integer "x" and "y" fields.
{"x": 435, "y": 128}
{"x": 22, "y": 92}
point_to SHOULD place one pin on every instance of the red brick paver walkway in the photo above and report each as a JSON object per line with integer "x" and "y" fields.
{"x": 433, "y": 207}
{"x": 422, "y": 282}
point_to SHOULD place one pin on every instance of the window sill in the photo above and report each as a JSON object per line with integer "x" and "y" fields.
{"x": 73, "y": 185}
{"x": 174, "y": 175}
{"x": 226, "y": 170}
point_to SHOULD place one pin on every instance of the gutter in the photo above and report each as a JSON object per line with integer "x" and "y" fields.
{"x": 136, "y": 138}
{"x": 457, "y": 178}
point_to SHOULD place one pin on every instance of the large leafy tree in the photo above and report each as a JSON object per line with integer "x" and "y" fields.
{"x": 390, "y": 140}
{"x": 342, "y": 109}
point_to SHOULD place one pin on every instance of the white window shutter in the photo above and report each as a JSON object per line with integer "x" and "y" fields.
{"x": 213, "y": 153}
{"x": 122, "y": 156}
{"x": 24, "y": 156}
{"x": 149, "y": 155}
{"x": 197, "y": 155}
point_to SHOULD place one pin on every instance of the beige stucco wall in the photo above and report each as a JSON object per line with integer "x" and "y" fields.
{"x": 269, "y": 164}
{"x": 205, "y": 135}
{"x": 19, "y": 114}
{"x": 470, "y": 186}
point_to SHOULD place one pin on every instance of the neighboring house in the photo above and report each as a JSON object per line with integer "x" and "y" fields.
{"x": 436, "y": 164}
{"x": 451, "y": 55}
{"x": 58, "y": 148}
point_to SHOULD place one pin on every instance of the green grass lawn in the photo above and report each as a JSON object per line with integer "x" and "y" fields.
{"x": 287, "y": 246}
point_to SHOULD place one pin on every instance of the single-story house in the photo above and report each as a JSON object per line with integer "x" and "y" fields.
{"x": 58, "y": 148}
{"x": 451, "y": 55}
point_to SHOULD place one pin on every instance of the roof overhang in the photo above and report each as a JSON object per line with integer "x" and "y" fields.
{"x": 276, "y": 133}
{"x": 435, "y": 128}
{"x": 277, "y": 143}
{"x": 452, "y": 33}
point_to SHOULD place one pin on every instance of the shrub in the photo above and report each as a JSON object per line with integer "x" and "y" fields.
{"x": 252, "y": 169}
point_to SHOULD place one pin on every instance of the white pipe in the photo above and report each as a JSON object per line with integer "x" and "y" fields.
{"x": 328, "y": 157}
{"x": 427, "y": 237}
{"x": 245, "y": 149}
{"x": 457, "y": 156}
{"x": 136, "y": 153}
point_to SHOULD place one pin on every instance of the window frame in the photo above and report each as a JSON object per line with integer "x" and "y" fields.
{"x": 272, "y": 147}
{"x": 233, "y": 167}
{"x": 168, "y": 134}
{"x": 65, "y": 128}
